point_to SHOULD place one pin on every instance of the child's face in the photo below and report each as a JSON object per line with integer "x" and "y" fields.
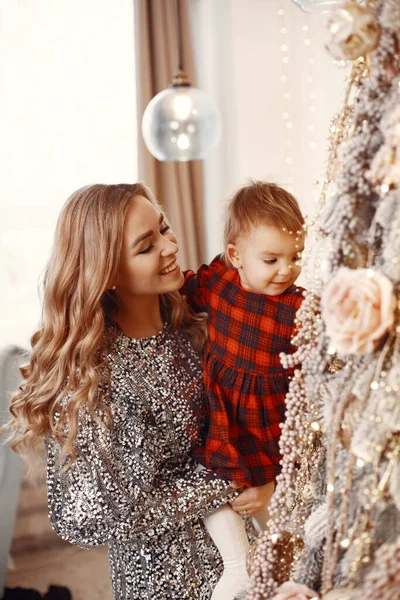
{"x": 268, "y": 259}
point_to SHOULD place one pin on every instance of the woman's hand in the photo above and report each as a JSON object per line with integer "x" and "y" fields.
{"x": 253, "y": 499}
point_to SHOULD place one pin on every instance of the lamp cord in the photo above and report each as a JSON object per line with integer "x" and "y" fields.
{"x": 179, "y": 26}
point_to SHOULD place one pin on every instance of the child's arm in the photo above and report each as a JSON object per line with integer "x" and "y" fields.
{"x": 196, "y": 285}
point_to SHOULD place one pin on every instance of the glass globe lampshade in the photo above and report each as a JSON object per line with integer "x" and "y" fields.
{"x": 317, "y": 6}
{"x": 181, "y": 123}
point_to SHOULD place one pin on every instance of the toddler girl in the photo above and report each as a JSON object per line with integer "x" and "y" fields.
{"x": 251, "y": 302}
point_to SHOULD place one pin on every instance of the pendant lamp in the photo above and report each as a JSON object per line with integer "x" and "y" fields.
{"x": 181, "y": 123}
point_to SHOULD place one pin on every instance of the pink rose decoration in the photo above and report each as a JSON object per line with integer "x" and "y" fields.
{"x": 295, "y": 591}
{"x": 358, "y": 307}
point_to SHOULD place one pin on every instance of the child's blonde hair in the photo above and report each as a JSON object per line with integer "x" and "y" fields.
{"x": 261, "y": 203}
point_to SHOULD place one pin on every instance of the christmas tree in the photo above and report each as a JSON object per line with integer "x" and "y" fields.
{"x": 334, "y": 531}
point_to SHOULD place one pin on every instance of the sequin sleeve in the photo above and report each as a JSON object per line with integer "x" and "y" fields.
{"x": 123, "y": 487}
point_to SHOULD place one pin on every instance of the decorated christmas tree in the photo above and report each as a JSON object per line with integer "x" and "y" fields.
{"x": 334, "y": 531}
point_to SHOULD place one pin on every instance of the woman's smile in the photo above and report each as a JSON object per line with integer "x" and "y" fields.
{"x": 170, "y": 268}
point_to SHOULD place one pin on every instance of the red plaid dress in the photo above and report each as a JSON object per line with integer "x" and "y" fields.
{"x": 245, "y": 382}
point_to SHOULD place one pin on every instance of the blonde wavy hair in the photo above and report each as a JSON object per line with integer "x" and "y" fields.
{"x": 69, "y": 351}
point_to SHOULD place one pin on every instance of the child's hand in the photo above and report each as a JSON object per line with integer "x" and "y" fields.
{"x": 253, "y": 499}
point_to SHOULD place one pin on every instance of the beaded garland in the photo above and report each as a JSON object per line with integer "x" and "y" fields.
{"x": 335, "y": 517}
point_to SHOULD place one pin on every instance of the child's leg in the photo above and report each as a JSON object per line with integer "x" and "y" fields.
{"x": 261, "y": 517}
{"x": 227, "y": 530}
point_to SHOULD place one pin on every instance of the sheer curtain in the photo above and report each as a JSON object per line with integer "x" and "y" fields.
{"x": 67, "y": 119}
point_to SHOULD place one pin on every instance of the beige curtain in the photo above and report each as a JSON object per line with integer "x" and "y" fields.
{"x": 178, "y": 186}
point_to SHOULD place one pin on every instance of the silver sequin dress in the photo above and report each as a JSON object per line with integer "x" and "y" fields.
{"x": 135, "y": 487}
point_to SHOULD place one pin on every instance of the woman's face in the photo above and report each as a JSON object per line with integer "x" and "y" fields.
{"x": 148, "y": 263}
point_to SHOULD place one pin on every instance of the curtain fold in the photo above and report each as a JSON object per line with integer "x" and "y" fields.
{"x": 178, "y": 186}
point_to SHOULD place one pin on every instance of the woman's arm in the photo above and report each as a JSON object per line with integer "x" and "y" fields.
{"x": 117, "y": 492}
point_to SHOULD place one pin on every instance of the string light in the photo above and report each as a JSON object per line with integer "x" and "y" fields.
{"x": 286, "y": 108}
{"x": 288, "y": 126}
{"x": 311, "y": 93}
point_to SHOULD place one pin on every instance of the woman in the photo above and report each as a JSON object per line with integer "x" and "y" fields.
{"x": 114, "y": 387}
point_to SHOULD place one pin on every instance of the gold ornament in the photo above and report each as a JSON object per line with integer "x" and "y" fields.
{"x": 353, "y": 31}
{"x": 287, "y": 546}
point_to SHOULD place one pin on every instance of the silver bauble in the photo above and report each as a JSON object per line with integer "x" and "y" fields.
{"x": 316, "y": 6}
{"x": 353, "y": 31}
{"x": 181, "y": 123}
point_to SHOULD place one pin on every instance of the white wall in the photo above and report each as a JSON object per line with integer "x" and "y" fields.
{"x": 240, "y": 63}
{"x": 67, "y": 119}
{"x": 67, "y": 116}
